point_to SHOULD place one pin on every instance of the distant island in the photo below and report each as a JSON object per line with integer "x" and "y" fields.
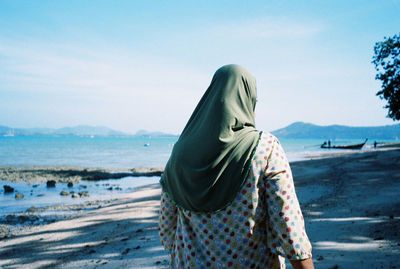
{"x": 308, "y": 130}
{"x": 80, "y": 130}
{"x": 294, "y": 130}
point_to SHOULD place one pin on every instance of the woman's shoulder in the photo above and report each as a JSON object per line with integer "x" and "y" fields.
{"x": 266, "y": 143}
{"x": 267, "y": 137}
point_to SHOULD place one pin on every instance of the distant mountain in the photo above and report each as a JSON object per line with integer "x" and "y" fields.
{"x": 308, "y": 130}
{"x": 80, "y": 130}
{"x": 5, "y": 130}
{"x": 144, "y": 133}
{"x": 294, "y": 130}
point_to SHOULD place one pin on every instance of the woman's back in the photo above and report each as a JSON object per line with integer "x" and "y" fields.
{"x": 262, "y": 223}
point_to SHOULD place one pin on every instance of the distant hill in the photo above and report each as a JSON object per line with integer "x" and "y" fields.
{"x": 308, "y": 130}
{"x": 80, "y": 130}
{"x": 144, "y": 133}
{"x": 294, "y": 130}
{"x": 83, "y": 130}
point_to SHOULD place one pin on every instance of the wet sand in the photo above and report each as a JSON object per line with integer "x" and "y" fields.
{"x": 350, "y": 201}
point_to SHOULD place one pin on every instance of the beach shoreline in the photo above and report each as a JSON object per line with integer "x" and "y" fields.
{"x": 349, "y": 200}
{"x": 73, "y": 174}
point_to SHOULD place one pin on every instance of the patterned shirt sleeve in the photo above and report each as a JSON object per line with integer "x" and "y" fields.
{"x": 167, "y": 221}
{"x": 286, "y": 231}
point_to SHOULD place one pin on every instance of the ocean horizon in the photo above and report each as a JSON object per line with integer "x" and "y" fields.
{"x": 119, "y": 152}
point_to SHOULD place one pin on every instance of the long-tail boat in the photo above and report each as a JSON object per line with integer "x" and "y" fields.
{"x": 356, "y": 146}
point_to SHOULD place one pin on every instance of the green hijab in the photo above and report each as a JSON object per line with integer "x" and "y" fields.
{"x": 211, "y": 159}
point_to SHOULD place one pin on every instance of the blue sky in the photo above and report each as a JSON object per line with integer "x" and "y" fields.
{"x": 133, "y": 65}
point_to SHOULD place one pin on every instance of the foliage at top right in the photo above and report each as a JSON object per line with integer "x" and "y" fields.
{"x": 387, "y": 63}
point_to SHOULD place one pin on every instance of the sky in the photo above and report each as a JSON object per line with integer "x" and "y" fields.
{"x": 132, "y": 65}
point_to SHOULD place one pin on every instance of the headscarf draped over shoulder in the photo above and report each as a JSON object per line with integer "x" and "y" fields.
{"x": 210, "y": 161}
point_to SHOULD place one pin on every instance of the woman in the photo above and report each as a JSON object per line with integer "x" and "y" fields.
{"x": 228, "y": 199}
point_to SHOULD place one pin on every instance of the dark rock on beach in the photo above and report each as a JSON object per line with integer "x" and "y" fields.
{"x": 64, "y": 193}
{"x": 19, "y": 196}
{"x": 126, "y": 251}
{"x": 70, "y": 184}
{"x": 26, "y": 218}
{"x": 32, "y": 209}
{"x": 147, "y": 172}
{"x": 8, "y": 189}
{"x": 4, "y": 230}
{"x": 83, "y": 194}
{"x": 51, "y": 183}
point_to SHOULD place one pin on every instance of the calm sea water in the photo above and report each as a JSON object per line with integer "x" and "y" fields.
{"x": 103, "y": 152}
{"x": 114, "y": 152}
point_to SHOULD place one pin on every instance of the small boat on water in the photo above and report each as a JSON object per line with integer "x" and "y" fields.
{"x": 10, "y": 133}
{"x": 356, "y": 146}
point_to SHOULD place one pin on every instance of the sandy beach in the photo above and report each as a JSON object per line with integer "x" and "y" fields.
{"x": 350, "y": 201}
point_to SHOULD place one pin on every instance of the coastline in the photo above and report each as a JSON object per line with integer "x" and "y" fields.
{"x": 349, "y": 200}
{"x": 37, "y": 174}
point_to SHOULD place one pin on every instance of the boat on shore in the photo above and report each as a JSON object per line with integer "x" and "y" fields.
{"x": 355, "y": 146}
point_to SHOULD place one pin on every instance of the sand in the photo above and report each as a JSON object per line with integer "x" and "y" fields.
{"x": 355, "y": 223}
{"x": 350, "y": 201}
{"x": 122, "y": 234}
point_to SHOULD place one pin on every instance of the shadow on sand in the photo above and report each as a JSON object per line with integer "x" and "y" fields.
{"x": 115, "y": 240}
{"x": 350, "y": 203}
{"x": 354, "y": 222}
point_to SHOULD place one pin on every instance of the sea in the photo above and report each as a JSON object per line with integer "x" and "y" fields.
{"x": 120, "y": 153}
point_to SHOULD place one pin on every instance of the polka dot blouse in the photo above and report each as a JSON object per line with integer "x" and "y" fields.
{"x": 260, "y": 227}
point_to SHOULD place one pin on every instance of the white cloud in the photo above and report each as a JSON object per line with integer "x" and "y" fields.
{"x": 46, "y": 67}
{"x": 119, "y": 88}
